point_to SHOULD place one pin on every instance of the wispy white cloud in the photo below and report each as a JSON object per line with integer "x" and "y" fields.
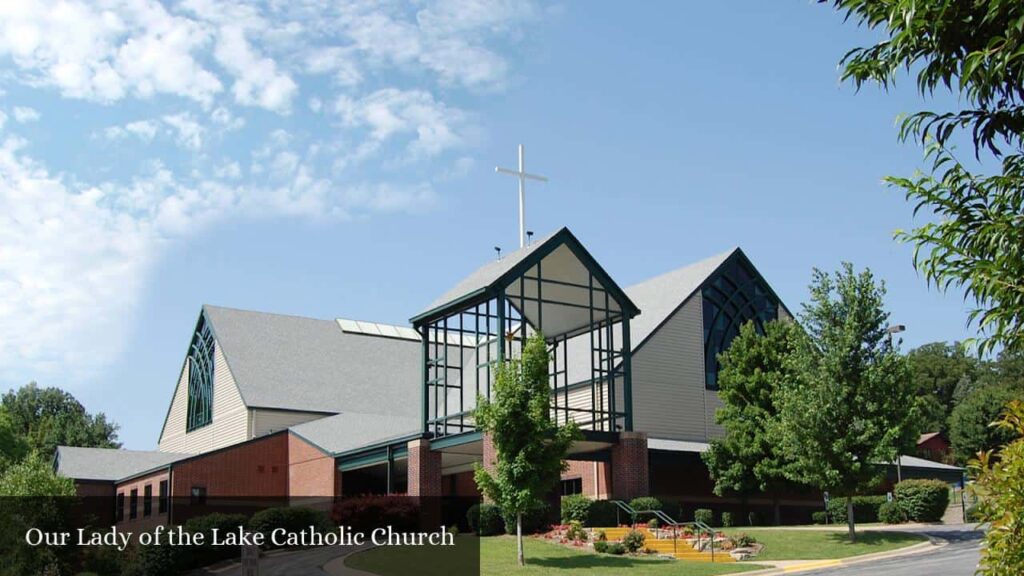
{"x": 219, "y": 79}
{"x": 24, "y": 114}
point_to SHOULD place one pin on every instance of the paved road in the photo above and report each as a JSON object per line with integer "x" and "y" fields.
{"x": 958, "y": 558}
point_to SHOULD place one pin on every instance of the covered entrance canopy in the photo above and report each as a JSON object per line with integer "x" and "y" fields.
{"x": 555, "y": 287}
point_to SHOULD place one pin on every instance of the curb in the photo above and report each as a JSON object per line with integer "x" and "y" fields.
{"x": 934, "y": 543}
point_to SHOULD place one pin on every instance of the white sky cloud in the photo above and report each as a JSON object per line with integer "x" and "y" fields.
{"x": 24, "y": 114}
{"x": 219, "y": 79}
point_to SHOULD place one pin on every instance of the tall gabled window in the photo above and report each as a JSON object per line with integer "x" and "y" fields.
{"x": 734, "y": 296}
{"x": 200, "y": 377}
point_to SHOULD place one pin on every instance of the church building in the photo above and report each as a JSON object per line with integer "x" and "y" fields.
{"x": 285, "y": 407}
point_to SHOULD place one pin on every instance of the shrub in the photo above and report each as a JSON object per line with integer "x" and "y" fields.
{"x": 727, "y": 520}
{"x": 892, "y": 512}
{"x": 616, "y": 548}
{"x": 601, "y": 546}
{"x": 819, "y": 517}
{"x": 633, "y": 540}
{"x": 206, "y": 554}
{"x": 652, "y": 524}
{"x": 753, "y": 519}
{"x": 744, "y": 540}
{"x": 704, "y": 515}
{"x": 865, "y": 508}
{"x": 162, "y": 560}
{"x": 601, "y": 536}
{"x": 645, "y": 503}
{"x": 576, "y": 507}
{"x": 576, "y": 531}
{"x": 291, "y": 519}
{"x": 365, "y": 513}
{"x": 923, "y": 500}
{"x": 534, "y": 520}
{"x": 485, "y": 520}
{"x": 602, "y": 513}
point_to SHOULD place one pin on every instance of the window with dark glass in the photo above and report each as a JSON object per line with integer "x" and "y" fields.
{"x": 163, "y": 497}
{"x": 119, "y": 511}
{"x": 133, "y": 504}
{"x": 572, "y": 486}
{"x": 147, "y": 500}
{"x": 200, "y": 377}
{"x": 198, "y": 495}
{"x": 734, "y": 296}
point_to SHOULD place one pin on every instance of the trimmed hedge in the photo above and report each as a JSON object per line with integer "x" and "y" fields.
{"x": 727, "y": 520}
{"x": 485, "y": 520}
{"x": 291, "y": 519}
{"x": 865, "y": 509}
{"x": 645, "y": 503}
{"x": 819, "y": 517}
{"x": 892, "y": 512}
{"x": 602, "y": 514}
{"x": 704, "y": 515}
{"x": 576, "y": 508}
{"x": 534, "y": 520}
{"x": 923, "y": 500}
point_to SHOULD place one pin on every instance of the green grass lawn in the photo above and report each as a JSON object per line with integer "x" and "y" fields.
{"x": 821, "y": 544}
{"x": 498, "y": 558}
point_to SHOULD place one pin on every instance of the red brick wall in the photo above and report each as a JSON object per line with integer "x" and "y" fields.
{"x": 630, "y": 476}
{"x": 255, "y": 468}
{"x": 311, "y": 472}
{"x": 461, "y": 484}
{"x": 141, "y": 521}
{"x": 424, "y": 469}
{"x": 596, "y": 477}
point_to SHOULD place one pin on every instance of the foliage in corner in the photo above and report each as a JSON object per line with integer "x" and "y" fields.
{"x": 999, "y": 485}
{"x": 530, "y": 447}
{"x": 975, "y": 50}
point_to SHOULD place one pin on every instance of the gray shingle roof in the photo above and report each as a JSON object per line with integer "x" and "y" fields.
{"x": 487, "y": 274}
{"x": 294, "y": 363}
{"x": 658, "y": 297}
{"x": 351, "y": 430}
{"x": 110, "y": 463}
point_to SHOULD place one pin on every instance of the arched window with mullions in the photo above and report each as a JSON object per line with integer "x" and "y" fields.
{"x": 735, "y": 295}
{"x": 200, "y": 377}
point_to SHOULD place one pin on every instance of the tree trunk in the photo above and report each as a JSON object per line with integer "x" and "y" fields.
{"x": 776, "y": 510}
{"x": 849, "y": 518}
{"x": 519, "y": 540}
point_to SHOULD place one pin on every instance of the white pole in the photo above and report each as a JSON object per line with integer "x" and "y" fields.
{"x": 522, "y": 199}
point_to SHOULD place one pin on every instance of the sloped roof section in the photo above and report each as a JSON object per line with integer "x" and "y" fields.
{"x": 351, "y": 430}
{"x": 660, "y": 296}
{"x": 110, "y": 463}
{"x": 295, "y": 363}
{"x": 565, "y": 253}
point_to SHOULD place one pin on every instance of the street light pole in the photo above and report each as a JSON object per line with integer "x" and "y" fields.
{"x": 896, "y": 329}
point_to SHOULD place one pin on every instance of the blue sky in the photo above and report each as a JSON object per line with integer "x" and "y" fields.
{"x": 339, "y": 162}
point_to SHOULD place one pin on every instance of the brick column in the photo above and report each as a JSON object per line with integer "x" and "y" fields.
{"x": 424, "y": 469}
{"x": 629, "y": 466}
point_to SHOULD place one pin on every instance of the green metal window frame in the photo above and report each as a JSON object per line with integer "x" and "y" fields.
{"x": 200, "y": 377}
{"x": 735, "y": 295}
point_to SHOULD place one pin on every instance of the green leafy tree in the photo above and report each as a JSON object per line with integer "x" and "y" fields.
{"x": 32, "y": 496}
{"x": 50, "y": 417}
{"x": 936, "y": 371}
{"x": 970, "y": 423}
{"x": 853, "y": 406}
{"x": 530, "y": 447}
{"x": 753, "y": 369}
{"x": 975, "y": 50}
{"x": 34, "y": 476}
{"x": 1000, "y": 487}
{"x": 13, "y": 446}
